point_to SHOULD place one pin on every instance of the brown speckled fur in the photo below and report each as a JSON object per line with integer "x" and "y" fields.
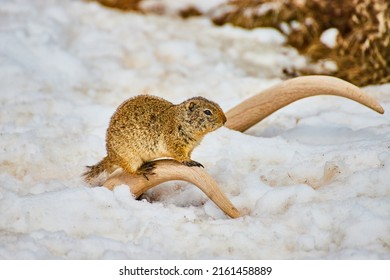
{"x": 145, "y": 128}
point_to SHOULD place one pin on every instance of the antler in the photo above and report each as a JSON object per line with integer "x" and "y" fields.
{"x": 170, "y": 170}
{"x": 240, "y": 118}
{"x": 258, "y": 107}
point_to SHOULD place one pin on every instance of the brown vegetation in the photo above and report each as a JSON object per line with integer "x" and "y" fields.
{"x": 121, "y": 4}
{"x": 362, "y": 51}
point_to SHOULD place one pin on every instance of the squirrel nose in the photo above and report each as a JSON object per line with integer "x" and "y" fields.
{"x": 224, "y": 120}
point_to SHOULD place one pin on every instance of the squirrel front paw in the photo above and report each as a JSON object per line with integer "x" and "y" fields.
{"x": 192, "y": 163}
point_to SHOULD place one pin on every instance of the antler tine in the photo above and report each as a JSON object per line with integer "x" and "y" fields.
{"x": 258, "y": 107}
{"x": 169, "y": 170}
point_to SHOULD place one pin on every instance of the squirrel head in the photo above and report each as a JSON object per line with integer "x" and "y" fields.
{"x": 203, "y": 115}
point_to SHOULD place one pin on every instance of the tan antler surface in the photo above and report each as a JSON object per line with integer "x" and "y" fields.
{"x": 258, "y": 107}
{"x": 169, "y": 170}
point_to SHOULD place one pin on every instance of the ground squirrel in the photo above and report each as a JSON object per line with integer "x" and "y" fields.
{"x": 145, "y": 128}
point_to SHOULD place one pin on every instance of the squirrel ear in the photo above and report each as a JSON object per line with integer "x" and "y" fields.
{"x": 191, "y": 106}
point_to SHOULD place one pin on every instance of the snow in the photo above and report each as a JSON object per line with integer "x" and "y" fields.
{"x": 329, "y": 37}
{"x": 312, "y": 180}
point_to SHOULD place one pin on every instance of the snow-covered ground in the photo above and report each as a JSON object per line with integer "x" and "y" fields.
{"x": 313, "y": 179}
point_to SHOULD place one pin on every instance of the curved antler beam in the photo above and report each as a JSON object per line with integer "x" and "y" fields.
{"x": 169, "y": 170}
{"x": 258, "y": 107}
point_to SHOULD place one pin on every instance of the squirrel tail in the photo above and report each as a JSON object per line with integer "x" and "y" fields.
{"x": 94, "y": 174}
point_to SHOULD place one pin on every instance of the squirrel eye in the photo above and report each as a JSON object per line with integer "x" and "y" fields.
{"x": 208, "y": 112}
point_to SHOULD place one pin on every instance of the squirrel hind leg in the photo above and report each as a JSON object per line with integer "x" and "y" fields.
{"x": 146, "y": 169}
{"x": 95, "y": 174}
